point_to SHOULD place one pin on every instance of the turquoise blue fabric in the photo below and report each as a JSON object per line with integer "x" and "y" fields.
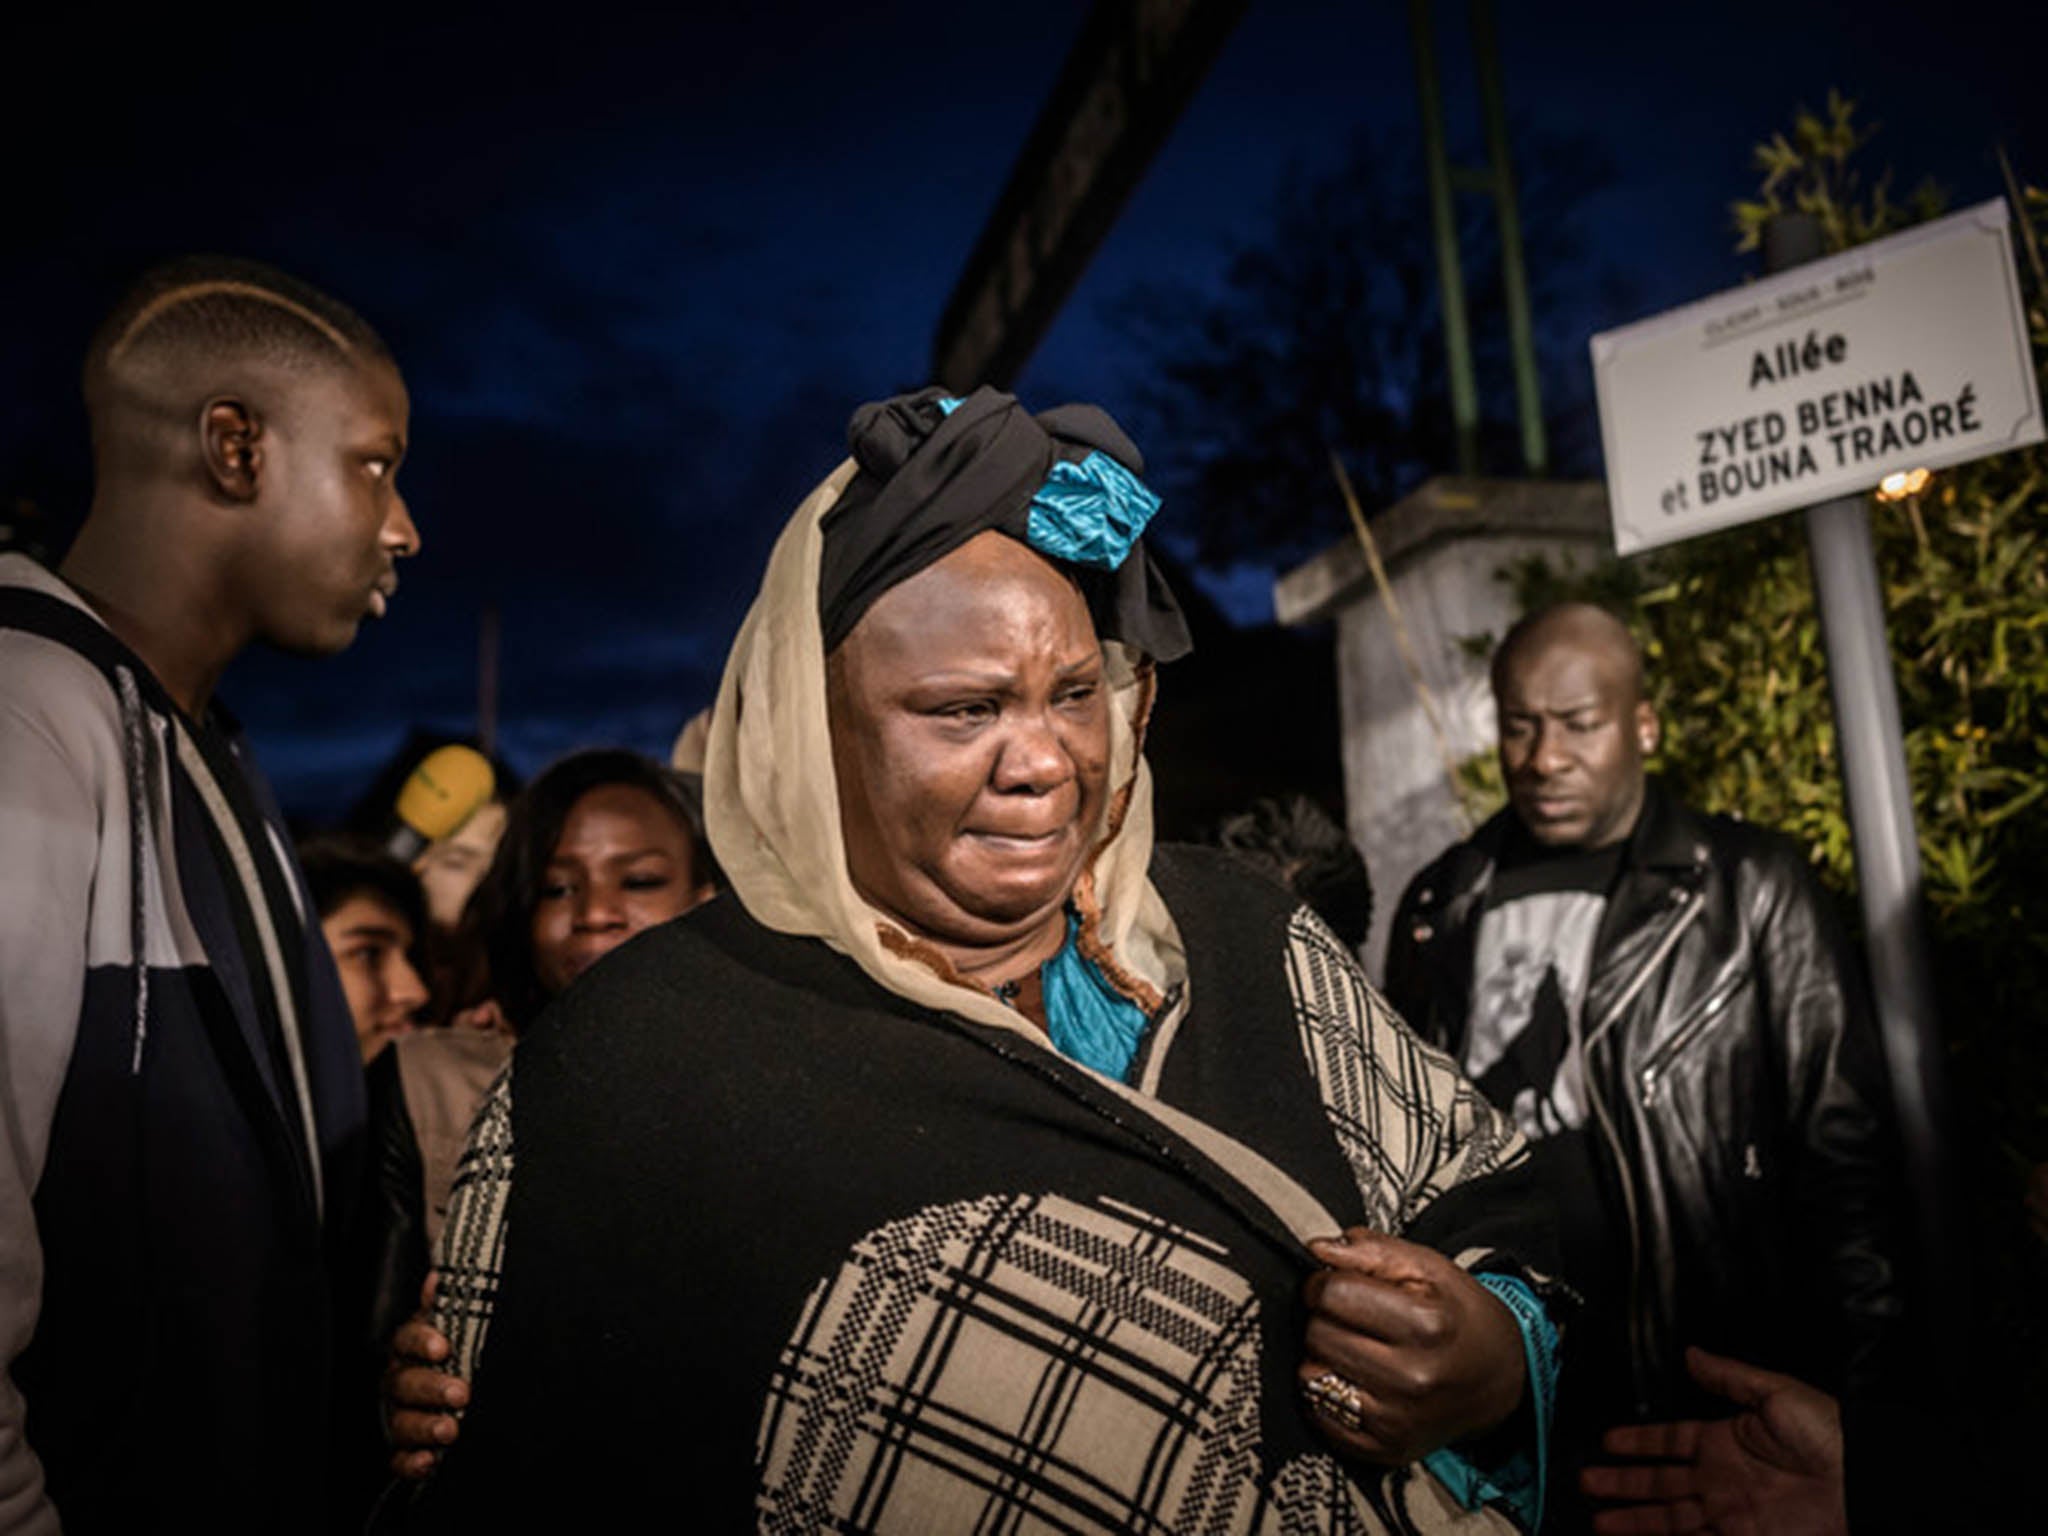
{"x": 1089, "y": 1020}
{"x": 1515, "y": 1482}
{"x": 1089, "y": 512}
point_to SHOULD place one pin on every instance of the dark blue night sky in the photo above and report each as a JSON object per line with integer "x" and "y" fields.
{"x": 638, "y": 270}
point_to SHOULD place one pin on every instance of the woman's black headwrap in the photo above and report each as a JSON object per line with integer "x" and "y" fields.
{"x": 936, "y": 471}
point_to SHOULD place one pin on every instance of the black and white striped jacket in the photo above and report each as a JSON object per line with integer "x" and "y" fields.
{"x": 180, "y": 1096}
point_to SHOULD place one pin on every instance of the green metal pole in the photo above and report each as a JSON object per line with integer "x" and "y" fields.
{"x": 1514, "y": 275}
{"x": 1450, "y": 275}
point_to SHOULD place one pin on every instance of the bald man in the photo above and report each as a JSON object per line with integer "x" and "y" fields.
{"x": 179, "y": 1079}
{"x": 1664, "y": 997}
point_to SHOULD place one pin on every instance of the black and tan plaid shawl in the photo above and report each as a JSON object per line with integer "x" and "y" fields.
{"x": 791, "y": 1254}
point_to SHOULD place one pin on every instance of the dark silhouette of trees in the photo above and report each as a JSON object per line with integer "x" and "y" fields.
{"x": 1326, "y": 331}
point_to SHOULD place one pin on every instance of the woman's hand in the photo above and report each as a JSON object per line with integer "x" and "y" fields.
{"x": 421, "y": 1399}
{"x": 1405, "y": 1352}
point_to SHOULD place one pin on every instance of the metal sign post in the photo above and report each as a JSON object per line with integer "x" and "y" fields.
{"x": 1871, "y": 744}
{"x": 1129, "y": 77}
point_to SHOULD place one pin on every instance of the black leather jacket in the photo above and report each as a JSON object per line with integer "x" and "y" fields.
{"x": 1740, "y": 1122}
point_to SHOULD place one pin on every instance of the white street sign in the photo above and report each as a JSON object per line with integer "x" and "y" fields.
{"x": 1909, "y": 352}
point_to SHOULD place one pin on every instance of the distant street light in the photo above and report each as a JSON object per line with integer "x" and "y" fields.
{"x": 1906, "y": 482}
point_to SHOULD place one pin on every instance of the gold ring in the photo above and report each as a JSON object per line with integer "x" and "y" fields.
{"x": 1335, "y": 1398}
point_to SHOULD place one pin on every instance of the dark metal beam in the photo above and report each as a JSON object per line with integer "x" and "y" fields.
{"x": 1124, "y": 85}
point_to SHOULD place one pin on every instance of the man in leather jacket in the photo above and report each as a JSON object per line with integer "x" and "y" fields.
{"x": 1665, "y": 998}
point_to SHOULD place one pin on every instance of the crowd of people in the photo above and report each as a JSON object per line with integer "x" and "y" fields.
{"x": 860, "y": 1123}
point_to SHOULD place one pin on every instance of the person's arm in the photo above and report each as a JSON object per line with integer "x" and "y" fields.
{"x": 49, "y": 839}
{"x": 1450, "y": 1293}
{"x": 1473, "y": 1194}
{"x": 434, "y": 1355}
{"x": 1843, "y": 1180}
{"x": 422, "y": 1400}
{"x": 1424, "y": 1354}
{"x": 395, "y": 1219}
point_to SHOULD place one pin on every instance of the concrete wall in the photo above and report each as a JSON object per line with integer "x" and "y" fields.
{"x": 1444, "y": 548}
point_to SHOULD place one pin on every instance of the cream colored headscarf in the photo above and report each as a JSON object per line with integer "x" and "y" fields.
{"x": 772, "y": 805}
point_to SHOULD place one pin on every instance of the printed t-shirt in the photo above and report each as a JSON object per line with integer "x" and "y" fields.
{"x": 1531, "y": 960}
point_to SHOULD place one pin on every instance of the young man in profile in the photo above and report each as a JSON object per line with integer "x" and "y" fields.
{"x": 374, "y": 918}
{"x": 182, "y": 1094}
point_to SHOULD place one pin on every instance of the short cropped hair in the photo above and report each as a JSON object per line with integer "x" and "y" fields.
{"x": 223, "y": 309}
{"x": 339, "y": 869}
{"x": 1541, "y": 623}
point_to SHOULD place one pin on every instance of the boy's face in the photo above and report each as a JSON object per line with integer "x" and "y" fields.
{"x": 370, "y": 939}
{"x": 332, "y": 525}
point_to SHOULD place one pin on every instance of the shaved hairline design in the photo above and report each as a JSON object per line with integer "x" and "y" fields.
{"x": 207, "y": 288}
